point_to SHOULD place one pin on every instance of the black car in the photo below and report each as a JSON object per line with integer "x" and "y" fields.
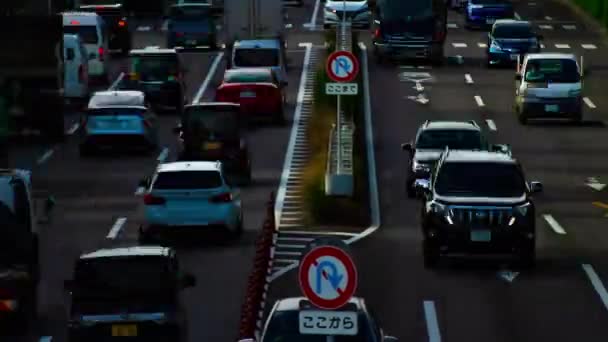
{"x": 159, "y": 73}
{"x": 409, "y": 29}
{"x": 117, "y": 24}
{"x": 129, "y": 292}
{"x": 478, "y": 202}
{"x": 215, "y": 131}
{"x": 431, "y": 140}
{"x": 509, "y": 40}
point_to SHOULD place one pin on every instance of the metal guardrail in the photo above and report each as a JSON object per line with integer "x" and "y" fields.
{"x": 339, "y": 175}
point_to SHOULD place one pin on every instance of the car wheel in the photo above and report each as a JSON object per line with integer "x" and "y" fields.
{"x": 527, "y": 256}
{"x": 85, "y": 151}
{"x": 238, "y": 231}
{"x": 431, "y": 254}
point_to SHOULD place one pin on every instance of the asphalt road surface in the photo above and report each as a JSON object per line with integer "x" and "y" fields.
{"x": 96, "y": 205}
{"x": 562, "y": 299}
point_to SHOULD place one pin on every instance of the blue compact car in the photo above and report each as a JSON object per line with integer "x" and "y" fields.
{"x": 482, "y": 14}
{"x": 509, "y": 40}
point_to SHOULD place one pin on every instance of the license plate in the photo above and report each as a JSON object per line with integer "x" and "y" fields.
{"x": 247, "y": 94}
{"x": 481, "y": 235}
{"x": 514, "y": 56}
{"x": 212, "y": 146}
{"x": 552, "y": 108}
{"x": 124, "y": 330}
{"x": 490, "y": 21}
{"x": 328, "y": 323}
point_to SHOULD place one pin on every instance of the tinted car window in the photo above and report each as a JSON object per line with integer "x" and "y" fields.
{"x": 180, "y": 180}
{"x": 115, "y": 111}
{"x": 221, "y": 122}
{"x": 88, "y": 34}
{"x": 284, "y": 327}
{"x": 398, "y": 9}
{"x": 480, "y": 180}
{"x": 189, "y": 12}
{"x": 513, "y": 32}
{"x": 552, "y": 70}
{"x": 454, "y": 139}
{"x": 251, "y": 77}
{"x": 155, "y": 67}
{"x": 256, "y": 57}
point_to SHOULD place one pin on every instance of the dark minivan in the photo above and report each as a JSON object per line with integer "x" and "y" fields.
{"x": 414, "y": 29}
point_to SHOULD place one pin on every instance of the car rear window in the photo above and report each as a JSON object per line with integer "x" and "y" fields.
{"x": 221, "y": 121}
{"x": 513, "y": 32}
{"x": 552, "y": 70}
{"x": 189, "y": 12}
{"x": 87, "y": 33}
{"x": 480, "y": 179}
{"x": 437, "y": 139}
{"x": 155, "y": 67}
{"x": 114, "y": 111}
{"x": 248, "y": 77}
{"x": 256, "y": 57}
{"x": 179, "y": 180}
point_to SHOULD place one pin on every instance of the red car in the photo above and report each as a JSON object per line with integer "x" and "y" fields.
{"x": 257, "y": 90}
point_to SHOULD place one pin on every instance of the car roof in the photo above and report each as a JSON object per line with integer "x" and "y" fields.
{"x": 478, "y": 156}
{"x": 551, "y": 55}
{"x": 258, "y": 44}
{"x": 293, "y": 303}
{"x": 153, "y": 50}
{"x": 127, "y": 251}
{"x": 512, "y": 22}
{"x": 117, "y": 98}
{"x": 456, "y": 125}
{"x": 189, "y": 166}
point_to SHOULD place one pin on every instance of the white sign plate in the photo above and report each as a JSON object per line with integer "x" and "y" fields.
{"x": 341, "y": 88}
{"x": 328, "y": 323}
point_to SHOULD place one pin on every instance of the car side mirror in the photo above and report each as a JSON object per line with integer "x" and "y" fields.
{"x": 69, "y": 285}
{"x": 188, "y": 280}
{"x": 518, "y": 77}
{"x": 390, "y": 339}
{"x": 144, "y": 182}
{"x": 536, "y": 187}
{"x": 422, "y": 186}
{"x": 407, "y": 147}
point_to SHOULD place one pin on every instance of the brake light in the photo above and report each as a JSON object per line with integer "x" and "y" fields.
{"x": 8, "y": 305}
{"x": 81, "y": 74}
{"x": 100, "y": 51}
{"x": 225, "y": 197}
{"x": 122, "y": 23}
{"x": 153, "y": 200}
{"x": 74, "y": 22}
{"x": 377, "y": 33}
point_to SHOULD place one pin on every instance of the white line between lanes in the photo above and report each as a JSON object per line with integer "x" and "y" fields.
{"x": 597, "y": 283}
{"x": 554, "y": 224}
{"x": 491, "y": 125}
{"x": 116, "y": 228}
{"x": 589, "y": 46}
{"x": 589, "y": 103}
{"x": 46, "y": 338}
{"x": 562, "y": 46}
{"x": 459, "y": 45}
{"x": 569, "y": 27}
{"x": 46, "y": 156}
{"x": 479, "y": 101}
{"x": 73, "y": 128}
{"x": 548, "y": 18}
{"x": 482, "y": 45}
{"x": 201, "y": 90}
{"x": 468, "y": 79}
{"x": 517, "y": 16}
{"x": 432, "y": 325}
{"x": 313, "y": 19}
{"x": 163, "y": 155}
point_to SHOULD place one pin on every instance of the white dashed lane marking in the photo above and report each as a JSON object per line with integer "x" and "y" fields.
{"x": 452, "y": 25}
{"x": 548, "y": 18}
{"x": 459, "y": 45}
{"x": 562, "y": 46}
{"x": 482, "y": 45}
{"x": 589, "y": 103}
{"x": 479, "y": 101}
{"x": 589, "y": 46}
{"x": 597, "y": 284}
{"x": 546, "y": 27}
{"x": 116, "y": 228}
{"x": 491, "y": 125}
{"x": 569, "y": 27}
{"x": 554, "y": 224}
{"x": 468, "y": 79}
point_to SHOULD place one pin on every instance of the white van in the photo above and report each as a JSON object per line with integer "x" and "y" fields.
{"x": 92, "y": 31}
{"x": 76, "y": 69}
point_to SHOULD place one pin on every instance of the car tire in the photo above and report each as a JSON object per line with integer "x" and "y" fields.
{"x": 577, "y": 118}
{"x": 239, "y": 228}
{"x": 85, "y": 151}
{"x": 522, "y": 118}
{"x": 430, "y": 254}
{"x": 527, "y": 256}
{"x": 279, "y": 119}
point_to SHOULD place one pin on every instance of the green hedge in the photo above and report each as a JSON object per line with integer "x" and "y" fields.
{"x": 597, "y": 8}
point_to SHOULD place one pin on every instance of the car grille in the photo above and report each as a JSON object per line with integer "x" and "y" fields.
{"x": 487, "y": 217}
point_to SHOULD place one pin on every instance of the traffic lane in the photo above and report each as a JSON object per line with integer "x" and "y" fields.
{"x": 301, "y": 15}
{"x": 546, "y": 11}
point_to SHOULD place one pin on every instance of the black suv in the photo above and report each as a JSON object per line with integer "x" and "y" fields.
{"x": 160, "y": 74}
{"x": 478, "y": 202}
{"x": 431, "y": 140}
{"x": 117, "y": 24}
{"x": 128, "y": 292}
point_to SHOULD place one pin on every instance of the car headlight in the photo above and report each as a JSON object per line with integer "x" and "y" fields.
{"x": 574, "y": 93}
{"x": 522, "y": 210}
{"x": 494, "y": 46}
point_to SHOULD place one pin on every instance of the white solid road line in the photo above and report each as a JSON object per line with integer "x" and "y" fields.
{"x": 432, "y": 325}
{"x": 554, "y": 224}
{"x": 491, "y": 125}
{"x": 46, "y": 156}
{"x": 313, "y": 19}
{"x": 589, "y": 103}
{"x": 46, "y": 338}
{"x": 597, "y": 283}
{"x": 163, "y": 155}
{"x": 116, "y": 228}
{"x": 73, "y": 128}
{"x": 468, "y": 79}
{"x": 479, "y": 101}
{"x": 212, "y": 69}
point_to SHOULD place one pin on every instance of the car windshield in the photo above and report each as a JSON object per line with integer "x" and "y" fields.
{"x": 480, "y": 179}
{"x": 552, "y": 71}
{"x": 284, "y": 327}
{"x": 189, "y": 12}
{"x": 513, "y": 32}
{"x": 454, "y": 139}
{"x": 88, "y": 34}
{"x": 406, "y": 10}
{"x": 214, "y": 122}
{"x": 256, "y": 57}
{"x": 182, "y": 180}
{"x": 248, "y": 77}
{"x": 136, "y": 275}
{"x": 155, "y": 67}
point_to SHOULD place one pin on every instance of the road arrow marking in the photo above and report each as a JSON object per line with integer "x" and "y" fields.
{"x": 595, "y": 184}
{"x": 419, "y": 87}
{"x": 422, "y": 99}
{"x": 508, "y": 275}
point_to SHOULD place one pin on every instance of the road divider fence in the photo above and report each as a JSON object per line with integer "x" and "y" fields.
{"x": 252, "y": 310}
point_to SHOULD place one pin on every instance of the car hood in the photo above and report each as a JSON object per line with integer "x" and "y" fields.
{"x": 481, "y": 201}
{"x": 516, "y": 43}
{"x": 351, "y": 6}
{"x": 424, "y": 155}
